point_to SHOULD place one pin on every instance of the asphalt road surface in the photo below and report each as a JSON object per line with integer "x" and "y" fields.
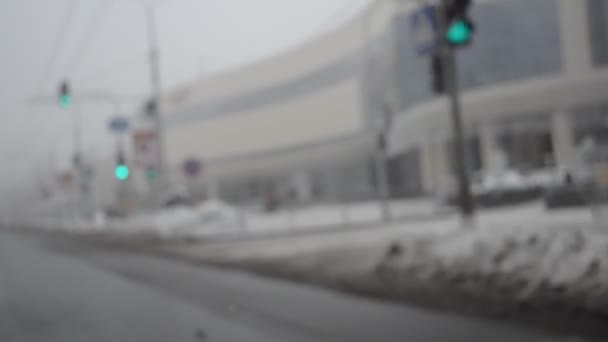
{"x": 61, "y": 291}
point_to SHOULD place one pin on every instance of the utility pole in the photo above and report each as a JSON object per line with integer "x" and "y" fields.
{"x": 381, "y": 120}
{"x": 66, "y": 100}
{"x": 81, "y": 199}
{"x": 381, "y": 164}
{"x": 450, "y": 72}
{"x": 156, "y": 100}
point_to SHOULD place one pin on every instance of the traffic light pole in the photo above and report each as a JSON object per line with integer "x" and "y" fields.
{"x": 448, "y": 57}
{"x": 382, "y": 124}
{"x": 77, "y": 160}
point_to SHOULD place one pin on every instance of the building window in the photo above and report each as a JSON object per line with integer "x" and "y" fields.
{"x": 526, "y": 141}
{"x": 404, "y": 174}
{"x": 591, "y": 122}
{"x": 598, "y": 31}
{"x": 472, "y": 148}
{"x": 516, "y": 40}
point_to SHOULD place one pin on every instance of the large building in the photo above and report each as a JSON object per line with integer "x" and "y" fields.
{"x": 305, "y": 123}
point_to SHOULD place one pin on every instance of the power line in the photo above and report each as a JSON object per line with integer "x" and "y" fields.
{"x": 98, "y": 16}
{"x": 57, "y": 43}
{"x": 109, "y": 70}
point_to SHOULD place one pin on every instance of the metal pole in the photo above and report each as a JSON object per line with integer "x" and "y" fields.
{"x": 371, "y": 104}
{"x": 448, "y": 58}
{"x": 155, "y": 79}
{"x": 382, "y": 176}
{"x": 79, "y": 194}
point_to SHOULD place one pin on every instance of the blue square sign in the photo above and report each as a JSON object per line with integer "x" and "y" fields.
{"x": 423, "y": 28}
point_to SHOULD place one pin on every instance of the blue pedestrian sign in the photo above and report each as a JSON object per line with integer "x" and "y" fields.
{"x": 119, "y": 124}
{"x": 423, "y": 27}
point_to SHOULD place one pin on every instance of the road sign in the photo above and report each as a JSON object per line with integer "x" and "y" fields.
{"x": 118, "y": 124}
{"x": 424, "y": 27}
{"x": 66, "y": 178}
{"x": 191, "y": 167}
{"x": 146, "y": 149}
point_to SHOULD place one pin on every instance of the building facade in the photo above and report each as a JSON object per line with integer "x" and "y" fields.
{"x": 303, "y": 125}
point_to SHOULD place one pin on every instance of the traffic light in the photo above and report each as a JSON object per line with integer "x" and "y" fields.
{"x": 437, "y": 76}
{"x": 459, "y": 29}
{"x": 151, "y": 174}
{"x": 121, "y": 171}
{"x": 65, "y": 96}
{"x": 150, "y": 108}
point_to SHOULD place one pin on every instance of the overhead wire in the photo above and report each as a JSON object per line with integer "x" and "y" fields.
{"x": 80, "y": 51}
{"x": 106, "y": 70}
{"x": 58, "y": 42}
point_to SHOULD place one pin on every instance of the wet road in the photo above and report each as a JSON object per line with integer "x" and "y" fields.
{"x": 53, "y": 291}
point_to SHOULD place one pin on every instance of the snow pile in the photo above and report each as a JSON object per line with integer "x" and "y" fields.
{"x": 543, "y": 265}
{"x": 210, "y": 217}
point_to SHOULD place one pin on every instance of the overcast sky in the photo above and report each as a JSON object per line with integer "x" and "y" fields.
{"x": 104, "y": 48}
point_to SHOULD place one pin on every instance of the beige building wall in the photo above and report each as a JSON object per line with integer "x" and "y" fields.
{"x": 326, "y": 114}
{"x": 299, "y": 61}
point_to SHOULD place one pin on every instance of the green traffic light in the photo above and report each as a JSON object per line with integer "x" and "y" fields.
{"x": 121, "y": 172}
{"x": 459, "y": 33}
{"x": 66, "y": 101}
{"x": 152, "y": 175}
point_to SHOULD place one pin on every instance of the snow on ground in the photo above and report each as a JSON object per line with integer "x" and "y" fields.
{"x": 211, "y": 217}
{"x": 521, "y": 253}
{"x": 381, "y": 234}
{"x": 327, "y": 215}
{"x": 214, "y": 218}
{"x": 523, "y": 261}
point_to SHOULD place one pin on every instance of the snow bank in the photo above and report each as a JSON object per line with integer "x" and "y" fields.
{"x": 524, "y": 264}
{"x": 185, "y": 222}
{"x": 513, "y": 258}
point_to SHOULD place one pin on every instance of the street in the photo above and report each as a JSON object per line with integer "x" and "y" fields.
{"x": 57, "y": 290}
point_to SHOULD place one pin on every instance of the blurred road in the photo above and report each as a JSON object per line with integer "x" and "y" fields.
{"x": 57, "y": 290}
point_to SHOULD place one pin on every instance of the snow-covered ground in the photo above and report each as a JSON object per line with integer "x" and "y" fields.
{"x": 521, "y": 261}
{"x": 531, "y": 215}
{"x": 511, "y": 256}
{"x": 214, "y": 218}
{"x": 328, "y": 215}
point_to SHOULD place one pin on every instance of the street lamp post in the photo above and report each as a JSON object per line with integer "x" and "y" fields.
{"x": 377, "y": 106}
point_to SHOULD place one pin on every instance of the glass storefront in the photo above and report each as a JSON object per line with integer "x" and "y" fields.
{"x": 515, "y": 40}
{"x": 404, "y": 174}
{"x": 598, "y": 31}
{"x": 591, "y": 122}
{"x": 526, "y": 141}
{"x": 472, "y": 148}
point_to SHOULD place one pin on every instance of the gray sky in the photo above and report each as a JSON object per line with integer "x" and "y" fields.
{"x": 104, "y": 48}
